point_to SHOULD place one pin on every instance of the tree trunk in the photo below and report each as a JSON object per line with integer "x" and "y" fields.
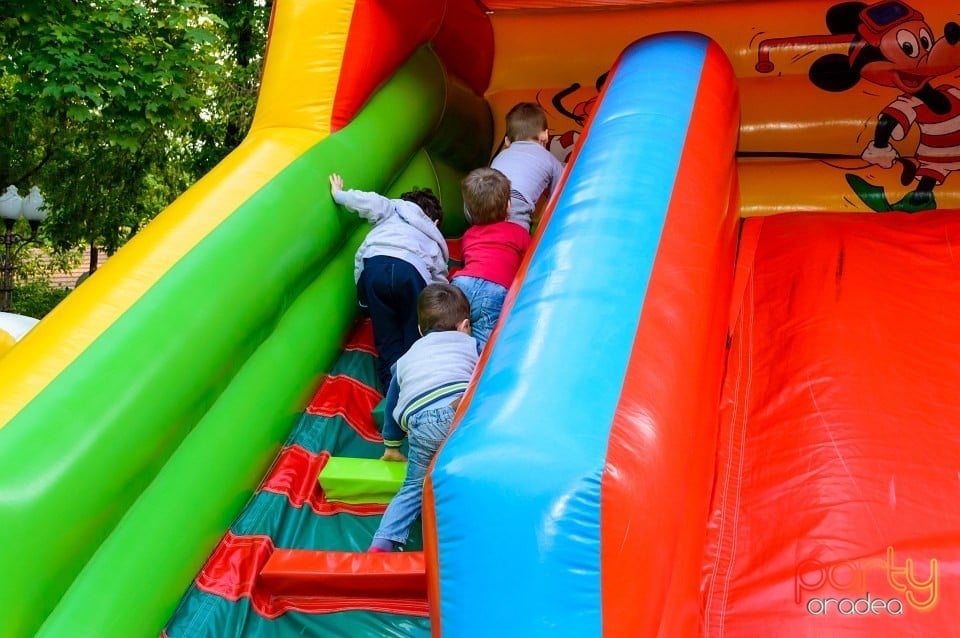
{"x": 94, "y": 258}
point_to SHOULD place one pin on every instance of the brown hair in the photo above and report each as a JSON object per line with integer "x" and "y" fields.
{"x": 525, "y": 122}
{"x": 441, "y": 307}
{"x": 427, "y": 201}
{"x": 486, "y": 195}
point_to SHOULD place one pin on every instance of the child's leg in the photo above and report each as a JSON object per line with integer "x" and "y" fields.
{"x": 371, "y": 282}
{"x": 408, "y": 284}
{"x": 393, "y": 434}
{"x": 428, "y": 429}
{"x": 389, "y": 287}
{"x": 486, "y": 301}
{"x": 490, "y": 302}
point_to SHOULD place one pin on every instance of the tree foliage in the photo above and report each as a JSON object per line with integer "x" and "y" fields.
{"x": 229, "y": 111}
{"x": 36, "y": 298}
{"x": 113, "y": 107}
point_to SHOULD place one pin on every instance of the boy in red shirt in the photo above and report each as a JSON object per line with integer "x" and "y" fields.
{"x": 492, "y": 249}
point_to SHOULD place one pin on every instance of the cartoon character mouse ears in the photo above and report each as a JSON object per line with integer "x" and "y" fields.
{"x": 856, "y": 23}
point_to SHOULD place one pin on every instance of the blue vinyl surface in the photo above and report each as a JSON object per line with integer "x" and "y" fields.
{"x": 517, "y": 486}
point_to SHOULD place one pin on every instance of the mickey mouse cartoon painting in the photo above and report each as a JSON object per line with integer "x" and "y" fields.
{"x": 892, "y": 45}
{"x": 582, "y": 110}
{"x": 561, "y": 145}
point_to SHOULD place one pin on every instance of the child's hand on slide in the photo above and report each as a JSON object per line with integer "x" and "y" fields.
{"x": 336, "y": 184}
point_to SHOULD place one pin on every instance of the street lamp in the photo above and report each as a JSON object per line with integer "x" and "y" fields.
{"x": 12, "y": 208}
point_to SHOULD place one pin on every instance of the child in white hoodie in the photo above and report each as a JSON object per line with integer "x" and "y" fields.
{"x": 402, "y": 253}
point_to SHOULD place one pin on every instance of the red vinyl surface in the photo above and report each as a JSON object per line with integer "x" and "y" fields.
{"x": 835, "y": 511}
{"x": 384, "y": 33}
{"x": 661, "y": 454}
{"x": 324, "y": 573}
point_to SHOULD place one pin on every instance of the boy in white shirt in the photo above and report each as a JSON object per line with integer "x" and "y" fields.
{"x": 430, "y": 380}
{"x": 402, "y": 253}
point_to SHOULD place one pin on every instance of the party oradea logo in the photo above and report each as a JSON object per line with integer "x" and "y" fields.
{"x": 874, "y": 586}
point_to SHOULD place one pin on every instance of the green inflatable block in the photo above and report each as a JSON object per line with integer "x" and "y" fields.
{"x": 361, "y": 481}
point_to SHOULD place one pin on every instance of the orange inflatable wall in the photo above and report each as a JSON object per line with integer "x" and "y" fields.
{"x": 799, "y": 143}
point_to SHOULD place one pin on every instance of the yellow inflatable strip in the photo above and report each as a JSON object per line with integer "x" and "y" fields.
{"x": 6, "y": 342}
{"x": 294, "y": 110}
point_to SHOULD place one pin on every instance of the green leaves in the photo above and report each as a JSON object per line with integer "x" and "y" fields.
{"x": 79, "y": 113}
{"x": 113, "y": 107}
{"x": 118, "y": 60}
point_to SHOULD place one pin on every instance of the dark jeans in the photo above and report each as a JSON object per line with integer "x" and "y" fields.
{"x": 391, "y": 429}
{"x": 389, "y": 288}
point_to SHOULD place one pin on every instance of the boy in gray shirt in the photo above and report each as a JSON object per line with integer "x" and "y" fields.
{"x": 424, "y": 394}
{"x": 530, "y": 167}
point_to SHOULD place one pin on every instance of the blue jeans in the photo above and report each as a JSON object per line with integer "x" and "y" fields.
{"x": 389, "y": 287}
{"x": 486, "y": 301}
{"x": 428, "y": 429}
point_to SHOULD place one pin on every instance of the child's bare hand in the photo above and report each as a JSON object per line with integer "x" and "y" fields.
{"x": 336, "y": 184}
{"x": 393, "y": 454}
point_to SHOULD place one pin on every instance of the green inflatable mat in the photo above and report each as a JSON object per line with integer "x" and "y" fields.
{"x": 361, "y": 481}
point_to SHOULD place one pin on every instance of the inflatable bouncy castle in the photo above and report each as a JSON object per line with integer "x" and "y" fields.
{"x": 721, "y": 400}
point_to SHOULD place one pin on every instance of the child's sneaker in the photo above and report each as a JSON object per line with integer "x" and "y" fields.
{"x": 381, "y": 545}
